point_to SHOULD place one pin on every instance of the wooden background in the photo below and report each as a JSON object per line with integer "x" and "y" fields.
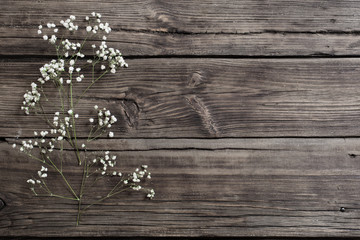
{"x": 247, "y": 112}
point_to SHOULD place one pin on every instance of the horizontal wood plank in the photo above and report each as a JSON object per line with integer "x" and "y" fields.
{"x": 152, "y": 28}
{"x": 205, "y": 98}
{"x": 256, "y": 187}
{"x": 205, "y": 16}
{"x": 22, "y": 41}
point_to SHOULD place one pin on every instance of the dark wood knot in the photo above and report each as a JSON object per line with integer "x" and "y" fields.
{"x": 2, "y": 204}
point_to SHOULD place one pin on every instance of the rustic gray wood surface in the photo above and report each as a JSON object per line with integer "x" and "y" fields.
{"x": 247, "y": 113}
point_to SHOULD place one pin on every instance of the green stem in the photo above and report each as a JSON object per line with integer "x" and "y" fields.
{"x": 73, "y": 125}
{"x": 92, "y": 83}
{"x": 55, "y": 195}
{"x": 104, "y": 198}
{"x": 64, "y": 178}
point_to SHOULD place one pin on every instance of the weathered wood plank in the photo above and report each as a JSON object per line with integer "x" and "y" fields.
{"x": 195, "y": 16}
{"x": 260, "y": 187}
{"x": 21, "y": 41}
{"x": 246, "y": 28}
{"x": 207, "y": 98}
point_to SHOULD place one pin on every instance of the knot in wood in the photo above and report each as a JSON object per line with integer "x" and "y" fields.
{"x": 195, "y": 79}
{"x": 2, "y": 204}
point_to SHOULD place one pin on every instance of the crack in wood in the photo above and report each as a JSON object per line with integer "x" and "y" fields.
{"x": 199, "y": 106}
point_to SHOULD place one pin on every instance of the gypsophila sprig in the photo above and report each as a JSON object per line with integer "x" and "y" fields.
{"x": 62, "y": 76}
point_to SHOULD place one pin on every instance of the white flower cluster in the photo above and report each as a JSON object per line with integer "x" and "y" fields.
{"x": 69, "y": 23}
{"x": 43, "y": 172}
{"x": 31, "y": 98}
{"x": 151, "y": 194}
{"x": 60, "y": 126}
{"x": 42, "y": 146}
{"x": 96, "y": 17}
{"x": 32, "y": 181}
{"x": 51, "y": 70}
{"x": 113, "y": 56}
{"x": 132, "y": 181}
{"x": 105, "y": 120}
{"x": 53, "y": 37}
{"x": 138, "y": 176}
{"x": 70, "y": 46}
{"x": 108, "y": 161}
{"x": 27, "y": 146}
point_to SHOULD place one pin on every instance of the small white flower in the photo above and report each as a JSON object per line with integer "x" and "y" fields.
{"x": 93, "y": 46}
{"x": 14, "y": 145}
{"x": 89, "y": 61}
{"x": 72, "y": 17}
{"x": 93, "y": 14}
{"x": 87, "y": 18}
{"x": 103, "y": 67}
{"x": 45, "y": 37}
{"x": 113, "y": 70}
{"x": 104, "y": 37}
{"x": 72, "y": 62}
{"x": 91, "y": 120}
{"x": 56, "y": 30}
{"x": 78, "y": 69}
{"x": 111, "y": 134}
{"x": 39, "y": 31}
{"x": 40, "y": 26}
{"x": 96, "y": 107}
{"x": 68, "y": 81}
{"x": 70, "y": 112}
{"x": 76, "y": 115}
{"x": 30, "y": 181}
{"x": 79, "y": 79}
{"x": 88, "y": 28}
{"x": 83, "y": 145}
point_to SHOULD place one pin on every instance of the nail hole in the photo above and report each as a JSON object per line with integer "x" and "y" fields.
{"x": 342, "y": 209}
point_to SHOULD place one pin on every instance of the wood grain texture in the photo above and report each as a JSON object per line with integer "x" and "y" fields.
{"x": 202, "y": 16}
{"x": 247, "y": 132}
{"x": 234, "y": 187}
{"x": 196, "y": 28}
{"x": 206, "y": 98}
{"x": 24, "y": 41}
